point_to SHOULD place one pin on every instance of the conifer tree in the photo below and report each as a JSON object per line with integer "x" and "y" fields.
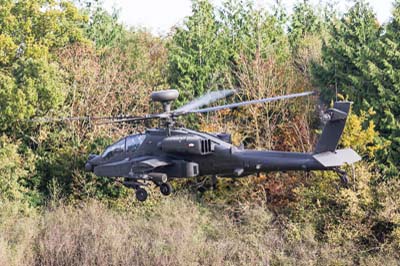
{"x": 195, "y": 57}
{"x": 347, "y": 54}
{"x": 385, "y": 100}
{"x": 305, "y": 33}
{"x": 362, "y": 63}
{"x": 304, "y": 21}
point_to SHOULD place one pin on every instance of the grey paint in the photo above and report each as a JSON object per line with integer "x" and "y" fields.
{"x": 337, "y": 158}
{"x": 334, "y": 128}
{"x": 225, "y": 159}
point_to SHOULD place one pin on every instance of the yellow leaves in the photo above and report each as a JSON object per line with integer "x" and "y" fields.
{"x": 359, "y": 137}
{"x": 7, "y": 49}
{"x": 37, "y": 51}
{"x": 340, "y": 97}
{"x": 396, "y": 237}
{"x": 37, "y": 26}
{"x": 389, "y": 200}
{"x": 209, "y": 127}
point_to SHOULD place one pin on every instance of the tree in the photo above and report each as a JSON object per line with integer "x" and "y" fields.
{"x": 361, "y": 62}
{"x": 385, "y": 97}
{"x": 303, "y": 22}
{"x": 306, "y": 32}
{"x": 102, "y": 28}
{"x": 16, "y": 169}
{"x": 31, "y": 82}
{"x": 196, "y": 58}
{"x": 251, "y": 33}
{"x": 347, "y": 54}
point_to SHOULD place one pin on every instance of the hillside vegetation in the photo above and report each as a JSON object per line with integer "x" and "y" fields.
{"x": 63, "y": 58}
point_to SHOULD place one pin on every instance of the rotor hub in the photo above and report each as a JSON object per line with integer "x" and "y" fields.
{"x": 165, "y": 97}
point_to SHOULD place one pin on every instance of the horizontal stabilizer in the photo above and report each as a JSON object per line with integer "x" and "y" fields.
{"x": 337, "y": 158}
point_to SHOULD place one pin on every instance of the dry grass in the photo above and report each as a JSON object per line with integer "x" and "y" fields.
{"x": 175, "y": 231}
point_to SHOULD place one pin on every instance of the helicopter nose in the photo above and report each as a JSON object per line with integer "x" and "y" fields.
{"x": 90, "y": 162}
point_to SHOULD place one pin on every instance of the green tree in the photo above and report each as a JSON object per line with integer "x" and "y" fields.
{"x": 384, "y": 98}
{"x": 361, "y": 63}
{"x": 347, "y": 55}
{"x": 306, "y": 32}
{"x": 16, "y": 170}
{"x": 102, "y": 28}
{"x": 250, "y": 32}
{"x": 197, "y": 60}
{"x": 30, "y": 79}
{"x": 303, "y": 22}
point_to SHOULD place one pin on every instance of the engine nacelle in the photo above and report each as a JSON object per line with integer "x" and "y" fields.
{"x": 224, "y": 137}
{"x": 182, "y": 168}
{"x": 187, "y": 145}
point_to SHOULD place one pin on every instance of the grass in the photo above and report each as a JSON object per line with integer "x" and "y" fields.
{"x": 176, "y": 230}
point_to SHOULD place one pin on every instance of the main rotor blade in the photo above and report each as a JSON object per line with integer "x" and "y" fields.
{"x": 106, "y": 119}
{"x": 129, "y": 119}
{"x": 77, "y": 118}
{"x": 205, "y": 100}
{"x": 233, "y": 105}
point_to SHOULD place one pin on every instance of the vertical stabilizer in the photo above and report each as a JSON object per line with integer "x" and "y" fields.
{"x": 333, "y": 129}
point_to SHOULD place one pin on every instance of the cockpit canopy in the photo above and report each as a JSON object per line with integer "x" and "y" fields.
{"x": 129, "y": 145}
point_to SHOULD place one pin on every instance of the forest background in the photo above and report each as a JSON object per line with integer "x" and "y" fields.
{"x": 62, "y": 58}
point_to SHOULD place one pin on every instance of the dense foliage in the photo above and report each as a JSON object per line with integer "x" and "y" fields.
{"x": 63, "y": 58}
{"x": 360, "y": 60}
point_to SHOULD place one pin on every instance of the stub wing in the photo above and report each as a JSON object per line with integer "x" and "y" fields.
{"x": 127, "y": 168}
{"x": 337, "y": 158}
{"x": 149, "y": 164}
{"x": 153, "y": 162}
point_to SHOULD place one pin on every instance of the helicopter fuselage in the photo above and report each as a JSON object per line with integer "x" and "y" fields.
{"x": 182, "y": 153}
{"x": 164, "y": 154}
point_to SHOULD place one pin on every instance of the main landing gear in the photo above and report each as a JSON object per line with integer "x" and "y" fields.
{"x": 343, "y": 176}
{"x": 206, "y": 184}
{"x": 142, "y": 194}
{"x": 166, "y": 189}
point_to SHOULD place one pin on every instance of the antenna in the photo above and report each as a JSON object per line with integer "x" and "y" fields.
{"x": 336, "y": 92}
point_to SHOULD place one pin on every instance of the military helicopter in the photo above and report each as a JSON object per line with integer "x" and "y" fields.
{"x": 162, "y": 154}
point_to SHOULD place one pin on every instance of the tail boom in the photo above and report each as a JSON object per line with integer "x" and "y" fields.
{"x": 268, "y": 161}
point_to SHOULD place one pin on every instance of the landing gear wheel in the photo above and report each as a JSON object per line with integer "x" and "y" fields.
{"x": 166, "y": 189}
{"x": 202, "y": 189}
{"x": 343, "y": 177}
{"x": 141, "y": 194}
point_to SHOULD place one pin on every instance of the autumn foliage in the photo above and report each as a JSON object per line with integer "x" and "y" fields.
{"x": 63, "y": 58}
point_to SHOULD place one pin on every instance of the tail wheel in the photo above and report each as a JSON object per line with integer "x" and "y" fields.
{"x": 166, "y": 189}
{"x": 344, "y": 179}
{"x": 141, "y": 194}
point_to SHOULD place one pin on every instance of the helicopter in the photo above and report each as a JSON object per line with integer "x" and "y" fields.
{"x": 163, "y": 154}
